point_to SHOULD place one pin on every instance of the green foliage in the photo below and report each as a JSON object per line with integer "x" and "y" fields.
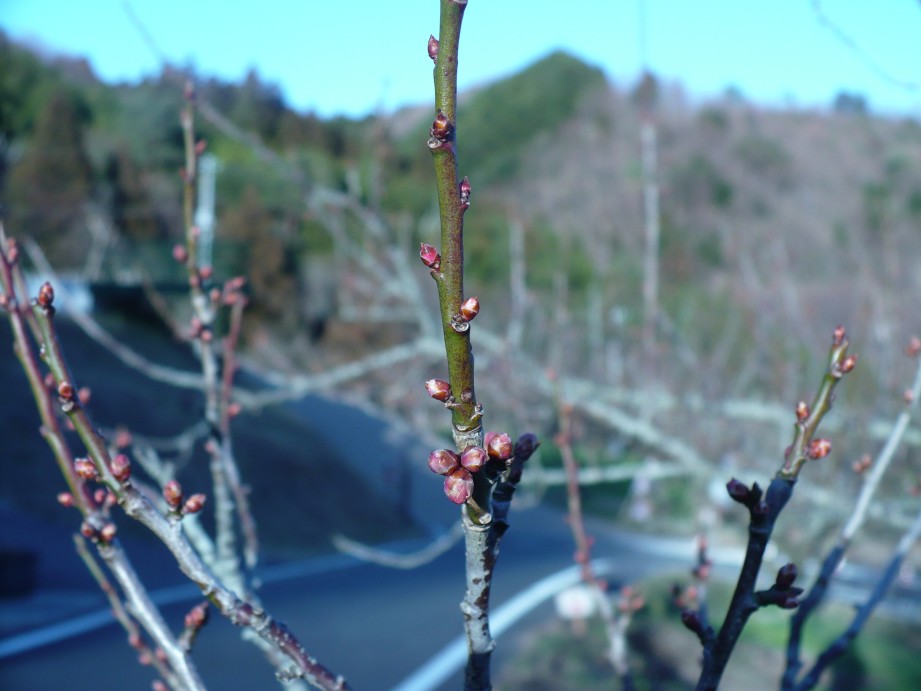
{"x": 698, "y": 181}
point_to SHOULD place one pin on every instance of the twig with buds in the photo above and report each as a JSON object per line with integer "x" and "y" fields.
{"x": 872, "y": 471}
{"x": 764, "y": 507}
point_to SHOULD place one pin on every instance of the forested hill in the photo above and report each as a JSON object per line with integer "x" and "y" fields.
{"x": 747, "y": 193}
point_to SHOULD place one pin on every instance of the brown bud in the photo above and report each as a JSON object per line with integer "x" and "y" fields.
{"x": 443, "y": 461}
{"x": 194, "y": 504}
{"x": 473, "y": 458}
{"x": 499, "y": 446}
{"x": 180, "y": 253}
{"x": 438, "y": 389}
{"x": 46, "y": 295}
{"x": 121, "y": 467}
{"x": 85, "y": 468}
{"x": 786, "y": 576}
{"x": 66, "y": 499}
{"x": 433, "y": 48}
{"x": 441, "y": 127}
{"x": 429, "y": 256}
{"x": 802, "y": 411}
{"x": 470, "y": 308}
{"x": 459, "y": 485}
{"x": 819, "y": 448}
{"x": 172, "y": 493}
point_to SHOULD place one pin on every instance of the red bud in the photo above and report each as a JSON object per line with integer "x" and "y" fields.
{"x": 819, "y": 448}
{"x": 46, "y": 295}
{"x": 429, "y": 256}
{"x": 121, "y": 467}
{"x": 85, "y": 468}
{"x": 499, "y": 446}
{"x": 172, "y": 493}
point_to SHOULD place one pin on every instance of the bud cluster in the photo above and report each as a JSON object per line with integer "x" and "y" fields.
{"x": 783, "y": 593}
{"x": 458, "y": 469}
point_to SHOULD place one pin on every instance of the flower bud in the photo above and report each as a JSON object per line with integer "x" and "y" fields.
{"x": 87, "y": 531}
{"x": 120, "y": 467}
{"x": 459, "y": 485}
{"x": 172, "y": 493}
{"x": 839, "y": 335}
{"x": 802, "y": 411}
{"x": 429, "y": 256}
{"x": 85, "y": 468}
{"x": 443, "y": 461}
{"x": 500, "y": 447}
{"x": 473, "y": 458}
{"x": 526, "y": 446}
{"x": 194, "y": 504}
{"x": 65, "y": 390}
{"x": 180, "y": 253}
{"x": 46, "y": 295}
{"x": 107, "y": 534}
{"x": 196, "y": 617}
{"x": 433, "y": 48}
{"x": 66, "y": 499}
{"x": 738, "y": 491}
{"x": 438, "y": 389}
{"x": 819, "y": 448}
{"x": 848, "y": 364}
{"x": 786, "y": 576}
{"x": 441, "y": 127}
{"x": 470, "y": 308}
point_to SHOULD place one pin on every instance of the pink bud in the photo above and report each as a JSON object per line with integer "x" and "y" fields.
{"x": 459, "y": 485}
{"x": 194, "y": 504}
{"x": 819, "y": 448}
{"x": 473, "y": 458}
{"x": 470, "y": 308}
{"x": 438, "y": 389}
{"x": 85, "y": 468}
{"x": 429, "y": 256}
{"x": 180, "y": 253}
{"x": 66, "y": 499}
{"x": 839, "y": 335}
{"x": 499, "y": 446}
{"x": 443, "y": 461}
{"x": 65, "y": 390}
{"x": 172, "y": 493}
{"x": 107, "y": 534}
{"x": 433, "y": 48}
{"x": 849, "y": 363}
{"x": 197, "y": 616}
{"x": 914, "y": 347}
{"x": 802, "y": 411}
{"x": 121, "y": 467}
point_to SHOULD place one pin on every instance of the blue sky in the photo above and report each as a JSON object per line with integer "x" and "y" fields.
{"x": 350, "y": 56}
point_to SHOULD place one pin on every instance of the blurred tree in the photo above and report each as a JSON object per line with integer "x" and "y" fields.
{"x": 51, "y": 184}
{"x": 131, "y": 208}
